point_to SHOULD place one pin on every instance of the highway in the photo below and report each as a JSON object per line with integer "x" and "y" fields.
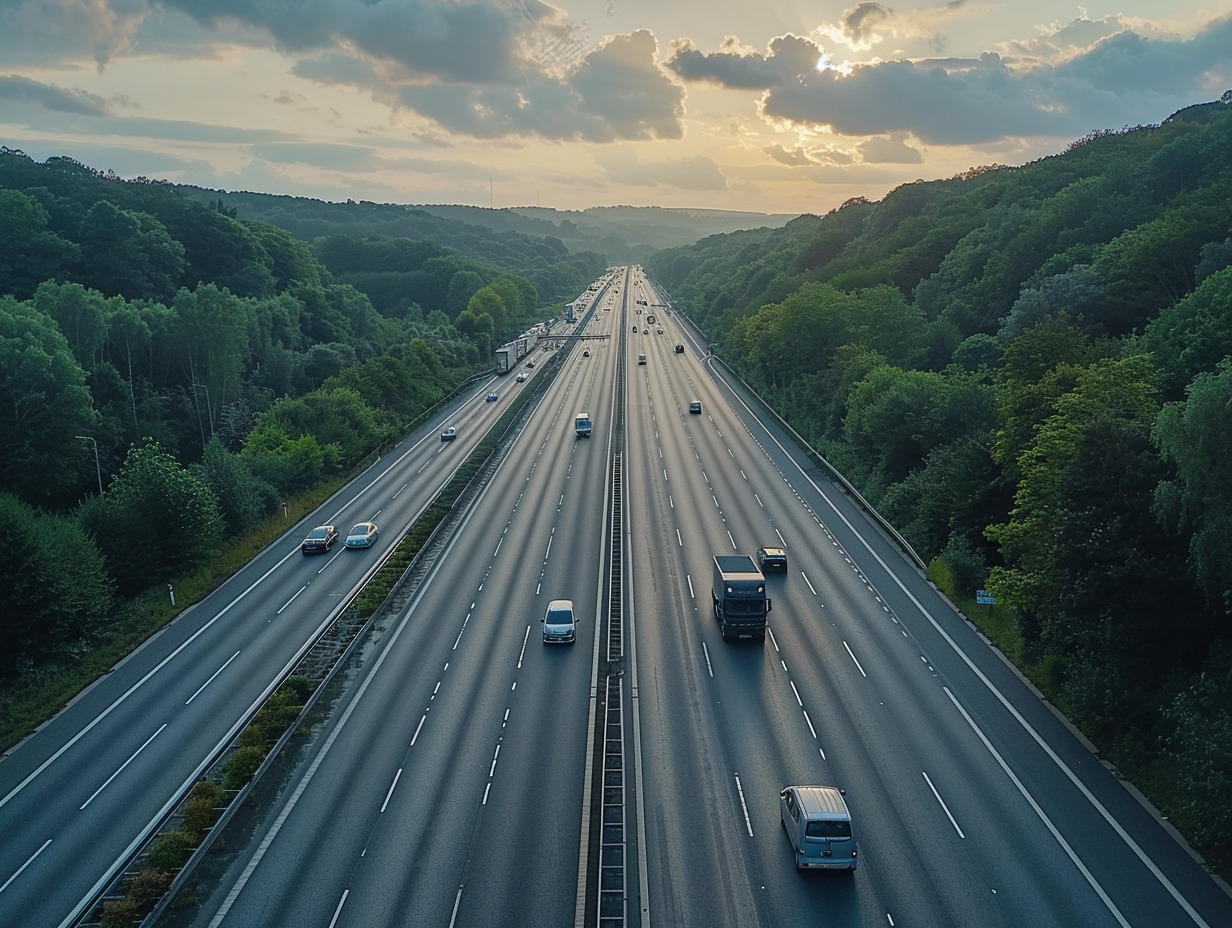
{"x": 82, "y": 792}
{"x": 452, "y": 785}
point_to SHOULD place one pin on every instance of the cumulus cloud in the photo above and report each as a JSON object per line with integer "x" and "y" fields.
{"x": 980, "y": 100}
{"x": 618, "y": 93}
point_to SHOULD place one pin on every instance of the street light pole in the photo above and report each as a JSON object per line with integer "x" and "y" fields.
{"x": 97, "y": 469}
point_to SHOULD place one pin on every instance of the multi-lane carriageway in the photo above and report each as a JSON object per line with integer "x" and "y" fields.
{"x": 449, "y": 786}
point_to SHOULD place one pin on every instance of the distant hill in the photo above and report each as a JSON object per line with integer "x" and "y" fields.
{"x": 621, "y": 234}
{"x": 627, "y": 234}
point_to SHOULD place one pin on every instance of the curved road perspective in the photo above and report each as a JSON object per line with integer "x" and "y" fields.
{"x": 454, "y": 783}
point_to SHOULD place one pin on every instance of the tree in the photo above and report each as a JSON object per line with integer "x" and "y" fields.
{"x": 1195, "y": 436}
{"x": 1077, "y": 530}
{"x": 129, "y": 254}
{"x": 54, "y": 587}
{"x": 45, "y": 406}
{"x": 30, "y": 252}
{"x": 243, "y": 498}
{"x": 156, "y": 520}
{"x": 462, "y": 286}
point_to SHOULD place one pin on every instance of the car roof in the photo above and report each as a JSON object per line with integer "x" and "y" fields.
{"x": 560, "y": 604}
{"x": 770, "y": 550}
{"x": 822, "y": 801}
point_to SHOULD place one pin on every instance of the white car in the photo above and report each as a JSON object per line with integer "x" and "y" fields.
{"x": 362, "y": 535}
{"x": 559, "y": 624}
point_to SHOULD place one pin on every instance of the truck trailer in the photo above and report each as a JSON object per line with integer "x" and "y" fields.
{"x": 506, "y": 358}
{"x": 738, "y": 593}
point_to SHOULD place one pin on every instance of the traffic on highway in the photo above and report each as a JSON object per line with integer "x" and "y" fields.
{"x": 806, "y": 731}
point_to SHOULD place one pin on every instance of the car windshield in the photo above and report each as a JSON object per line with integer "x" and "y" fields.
{"x": 559, "y": 617}
{"x": 361, "y": 529}
{"x": 318, "y": 533}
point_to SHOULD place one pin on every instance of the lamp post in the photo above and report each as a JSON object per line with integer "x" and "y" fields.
{"x": 97, "y": 469}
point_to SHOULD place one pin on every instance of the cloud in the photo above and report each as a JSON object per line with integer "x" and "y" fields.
{"x": 893, "y": 150}
{"x": 617, "y": 94}
{"x": 48, "y": 97}
{"x": 866, "y": 25}
{"x": 56, "y": 32}
{"x": 975, "y": 101}
{"x": 696, "y": 172}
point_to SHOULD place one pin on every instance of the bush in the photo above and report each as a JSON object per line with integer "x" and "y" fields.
{"x": 170, "y": 850}
{"x": 200, "y": 810}
{"x": 241, "y": 766}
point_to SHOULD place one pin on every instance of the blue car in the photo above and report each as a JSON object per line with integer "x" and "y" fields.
{"x": 492, "y": 398}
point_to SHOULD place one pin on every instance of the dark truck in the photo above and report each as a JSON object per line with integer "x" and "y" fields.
{"x": 738, "y": 592}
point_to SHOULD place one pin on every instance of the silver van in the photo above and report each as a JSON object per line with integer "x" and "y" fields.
{"x": 818, "y": 825}
{"x": 559, "y": 624}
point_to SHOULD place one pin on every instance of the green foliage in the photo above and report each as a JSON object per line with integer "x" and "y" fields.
{"x": 1195, "y": 436}
{"x": 53, "y": 585}
{"x": 156, "y": 520}
{"x": 1200, "y": 719}
{"x": 243, "y": 497}
{"x": 128, "y": 252}
{"x": 30, "y": 252}
{"x": 200, "y": 810}
{"x": 46, "y": 406}
{"x": 241, "y": 766}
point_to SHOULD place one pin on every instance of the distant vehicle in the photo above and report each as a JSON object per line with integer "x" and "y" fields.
{"x": 818, "y": 825}
{"x": 660, "y": 331}
{"x": 319, "y": 540}
{"x": 362, "y": 535}
{"x": 449, "y": 434}
{"x": 530, "y": 365}
{"x": 586, "y": 353}
{"x": 680, "y": 349}
{"x": 521, "y": 378}
{"x": 695, "y": 406}
{"x": 635, "y": 330}
{"x": 581, "y": 424}
{"x": 770, "y": 559}
{"x": 641, "y": 359}
{"x": 738, "y": 594}
{"x": 559, "y": 624}
{"x": 491, "y": 397}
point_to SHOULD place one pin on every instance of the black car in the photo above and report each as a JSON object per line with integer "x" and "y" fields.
{"x": 680, "y": 349}
{"x": 771, "y": 559}
{"x": 319, "y": 540}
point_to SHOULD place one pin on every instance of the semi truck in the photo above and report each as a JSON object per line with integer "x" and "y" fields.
{"x": 738, "y": 592}
{"x": 581, "y": 424}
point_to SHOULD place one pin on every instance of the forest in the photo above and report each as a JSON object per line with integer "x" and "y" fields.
{"x": 1026, "y": 371}
{"x": 171, "y": 375}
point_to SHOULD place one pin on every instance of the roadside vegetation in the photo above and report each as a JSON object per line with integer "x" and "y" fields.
{"x": 181, "y": 386}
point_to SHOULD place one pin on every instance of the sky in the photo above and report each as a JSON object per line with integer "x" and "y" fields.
{"x": 773, "y": 106}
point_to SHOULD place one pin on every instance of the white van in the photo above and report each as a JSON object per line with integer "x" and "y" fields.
{"x": 818, "y": 825}
{"x": 559, "y": 624}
